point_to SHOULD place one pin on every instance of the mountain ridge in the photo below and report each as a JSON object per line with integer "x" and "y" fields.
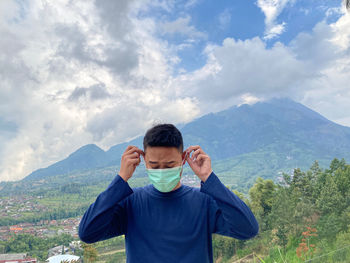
{"x": 280, "y": 125}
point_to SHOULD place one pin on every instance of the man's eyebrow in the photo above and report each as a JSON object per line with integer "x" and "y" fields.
{"x": 164, "y": 162}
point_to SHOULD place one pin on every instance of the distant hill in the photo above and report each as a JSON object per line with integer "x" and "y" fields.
{"x": 243, "y": 142}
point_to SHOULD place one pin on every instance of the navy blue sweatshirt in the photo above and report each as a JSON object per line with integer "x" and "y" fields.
{"x": 167, "y": 227}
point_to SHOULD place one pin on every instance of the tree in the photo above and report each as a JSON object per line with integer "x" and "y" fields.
{"x": 336, "y": 164}
{"x": 330, "y": 199}
{"x": 262, "y": 196}
{"x": 343, "y": 240}
{"x": 288, "y": 211}
{"x": 342, "y": 180}
{"x": 303, "y": 183}
{"x": 90, "y": 253}
{"x": 328, "y": 227}
{"x": 282, "y": 235}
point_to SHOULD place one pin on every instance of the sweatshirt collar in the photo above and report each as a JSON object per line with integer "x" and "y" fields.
{"x": 172, "y": 194}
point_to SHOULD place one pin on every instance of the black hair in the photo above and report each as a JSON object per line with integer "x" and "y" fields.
{"x": 163, "y": 135}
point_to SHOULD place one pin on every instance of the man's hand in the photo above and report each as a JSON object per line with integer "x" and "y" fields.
{"x": 200, "y": 162}
{"x": 130, "y": 160}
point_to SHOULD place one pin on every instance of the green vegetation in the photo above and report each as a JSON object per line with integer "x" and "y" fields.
{"x": 34, "y": 246}
{"x": 66, "y": 199}
{"x": 305, "y": 217}
{"x": 241, "y": 172}
{"x": 111, "y": 250}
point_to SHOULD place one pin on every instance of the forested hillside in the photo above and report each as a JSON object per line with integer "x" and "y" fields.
{"x": 303, "y": 218}
{"x": 306, "y": 216}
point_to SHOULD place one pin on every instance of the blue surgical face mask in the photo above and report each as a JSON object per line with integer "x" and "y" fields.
{"x": 165, "y": 180}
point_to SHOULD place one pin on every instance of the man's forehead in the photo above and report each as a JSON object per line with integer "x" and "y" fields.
{"x": 162, "y": 150}
{"x": 166, "y": 155}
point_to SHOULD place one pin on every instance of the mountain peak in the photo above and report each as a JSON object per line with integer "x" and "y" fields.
{"x": 87, "y": 156}
{"x": 279, "y": 125}
{"x": 86, "y": 149}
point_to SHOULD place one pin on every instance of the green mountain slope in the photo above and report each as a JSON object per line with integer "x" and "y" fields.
{"x": 264, "y": 139}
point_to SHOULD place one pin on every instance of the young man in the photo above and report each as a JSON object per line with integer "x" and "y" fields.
{"x": 166, "y": 221}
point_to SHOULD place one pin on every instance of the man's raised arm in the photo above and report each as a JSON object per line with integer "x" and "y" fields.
{"x": 106, "y": 217}
{"x": 229, "y": 215}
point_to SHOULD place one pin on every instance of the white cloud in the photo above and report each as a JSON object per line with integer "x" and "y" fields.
{"x": 191, "y": 3}
{"x": 274, "y": 30}
{"x": 73, "y": 73}
{"x": 314, "y": 69}
{"x": 329, "y": 93}
{"x": 182, "y": 26}
{"x": 238, "y": 67}
{"x": 272, "y": 9}
{"x": 224, "y": 18}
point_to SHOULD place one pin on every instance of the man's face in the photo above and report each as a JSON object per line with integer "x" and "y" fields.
{"x": 160, "y": 157}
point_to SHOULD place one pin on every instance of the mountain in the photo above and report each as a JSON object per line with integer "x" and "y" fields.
{"x": 86, "y": 157}
{"x": 262, "y": 139}
{"x": 248, "y": 128}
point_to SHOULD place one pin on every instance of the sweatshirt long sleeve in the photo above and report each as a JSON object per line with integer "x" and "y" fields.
{"x": 167, "y": 227}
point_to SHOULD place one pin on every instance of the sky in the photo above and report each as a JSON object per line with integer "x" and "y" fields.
{"x": 102, "y": 72}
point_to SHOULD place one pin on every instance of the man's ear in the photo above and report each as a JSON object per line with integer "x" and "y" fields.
{"x": 183, "y": 157}
{"x": 144, "y": 157}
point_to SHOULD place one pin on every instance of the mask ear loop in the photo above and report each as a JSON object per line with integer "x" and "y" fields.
{"x": 182, "y": 164}
{"x": 143, "y": 157}
{"x": 184, "y": 158}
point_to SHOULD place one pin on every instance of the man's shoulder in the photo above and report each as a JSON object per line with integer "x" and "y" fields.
{"x": 196, "y": 191}
{"x": 193, "y": 189}
{"x": 141, "y": 189}
{"x": 138, "y": 193}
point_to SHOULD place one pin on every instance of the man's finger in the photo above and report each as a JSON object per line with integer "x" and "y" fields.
{"x": 132, "y": 161}
{"x": 193, "y": 164}
{"x": 202, "y": 157}
{"x": 134, "y": 149}
{"x": 196, "y": 152}
{"x": 189, "y": 161}
{"x": 128, "y": 148}
{"x": 134, "y": 155}
{"x": 139, "y": 151}
{"x": 193, "y": 147}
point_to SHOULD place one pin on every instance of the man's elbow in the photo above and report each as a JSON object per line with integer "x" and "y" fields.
{"x": 83, "y": 237}
{"x": 255, "y": 229}
{"x": 251, "y": 232}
